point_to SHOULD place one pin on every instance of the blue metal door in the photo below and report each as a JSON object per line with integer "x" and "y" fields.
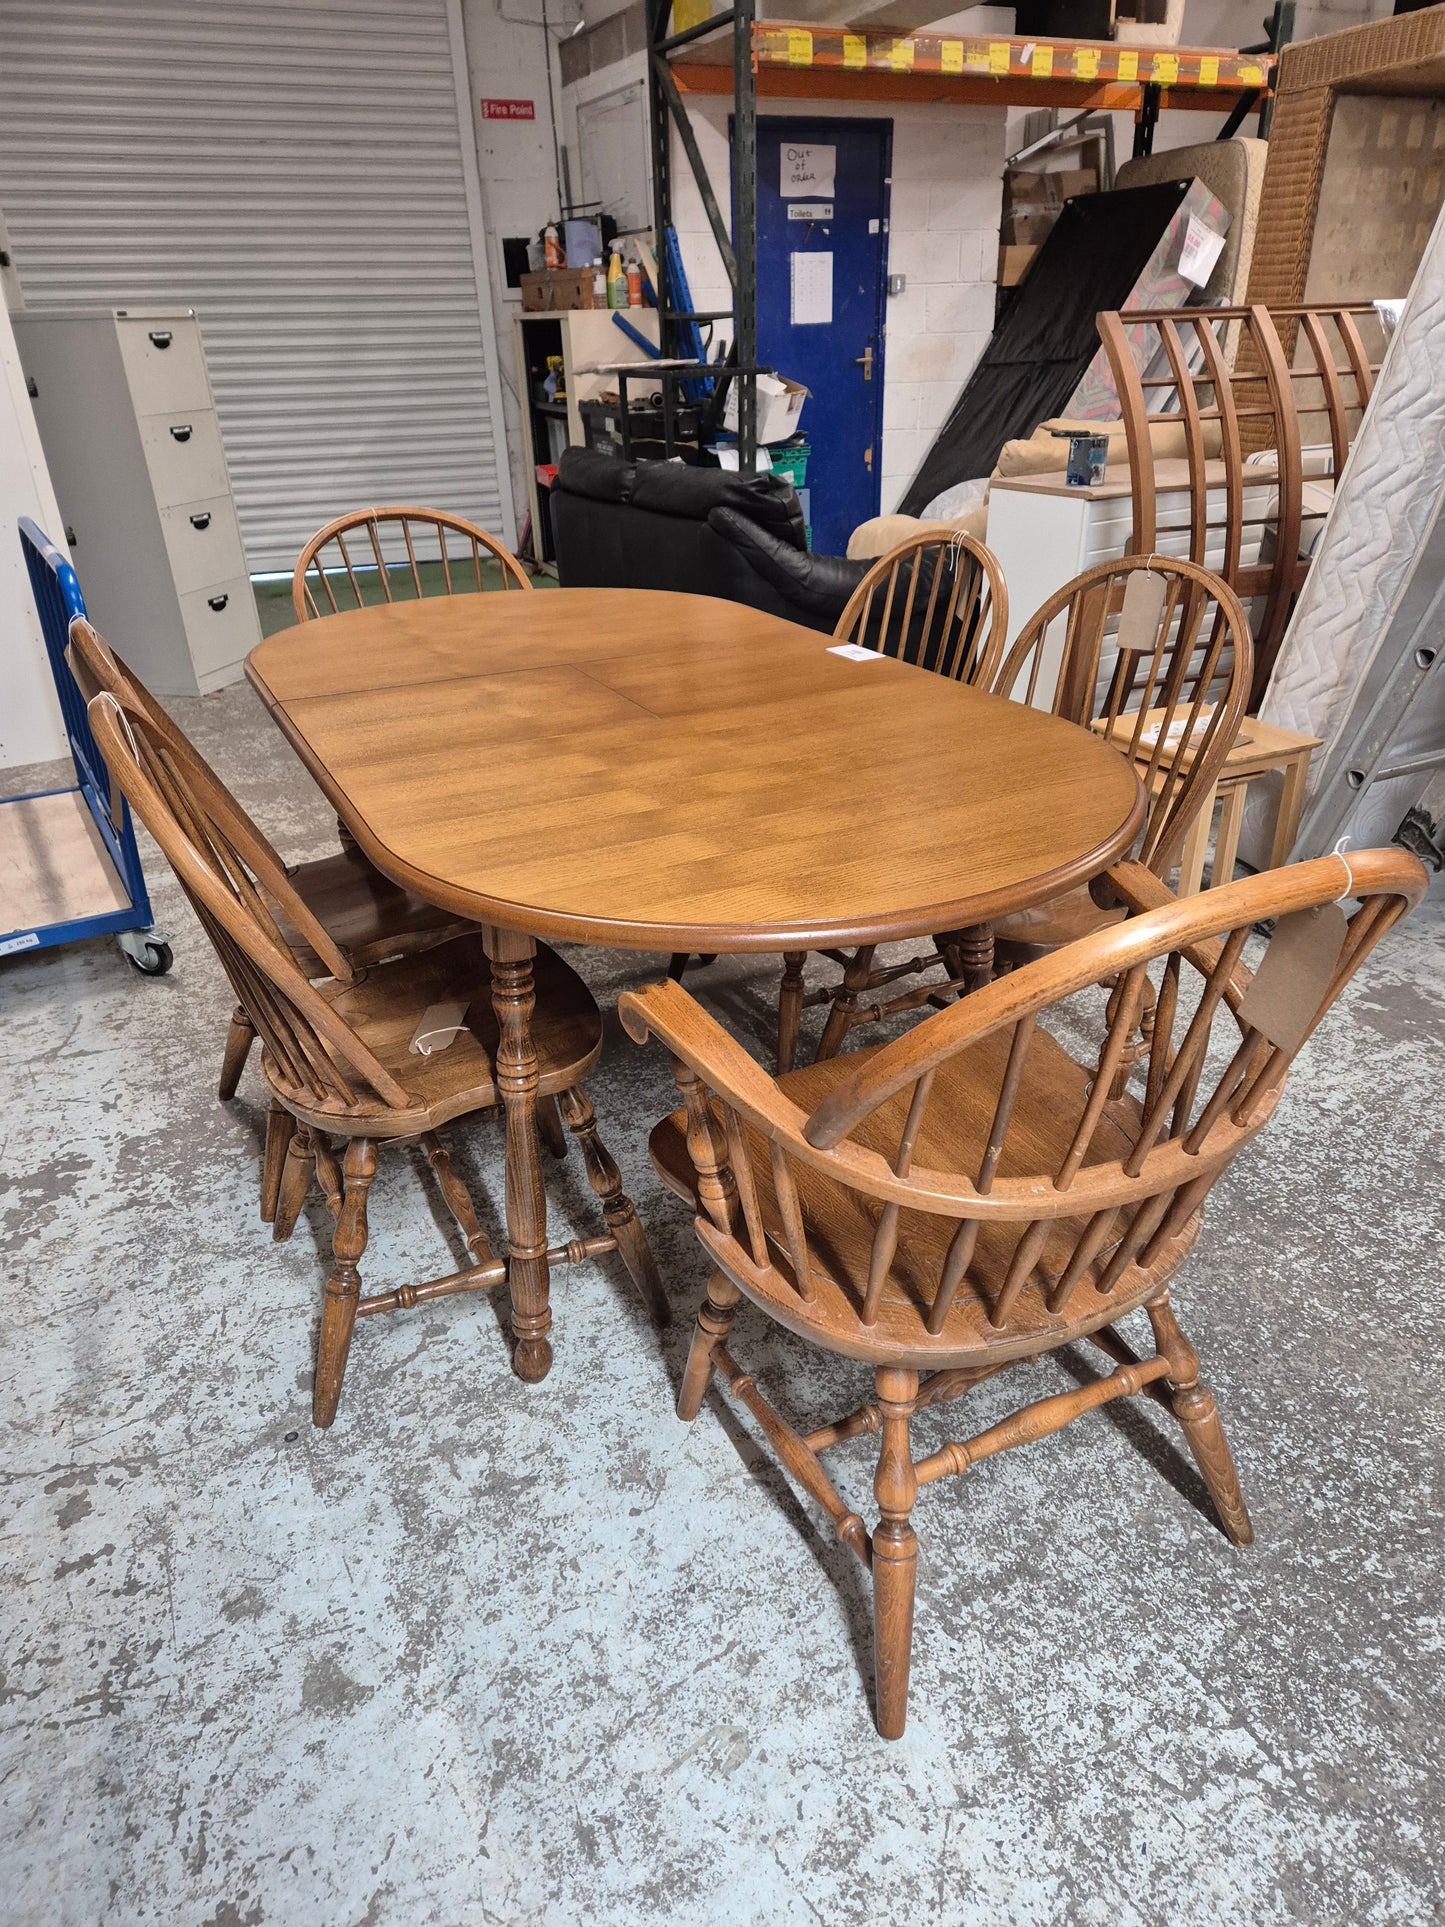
{"x": 822, "y": 275}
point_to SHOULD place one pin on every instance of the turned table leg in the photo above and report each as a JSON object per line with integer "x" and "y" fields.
{"x": 976, "y": 950}
{"x": 528, "y": 1277}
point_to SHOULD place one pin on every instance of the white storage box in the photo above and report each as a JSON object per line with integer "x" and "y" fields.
{"x": 780, "y": 402}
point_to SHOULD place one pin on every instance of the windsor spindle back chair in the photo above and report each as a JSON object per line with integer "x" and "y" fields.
{"x": 971, "y": 1195}
{"x": 1279, "y": 392}
{"x": 941, "y": 603}
{"x": 1169, "y": 696}
{"x": 328, "y": 577}
{"x": 336, "y": 915}
{"x": 338, "y": 1058}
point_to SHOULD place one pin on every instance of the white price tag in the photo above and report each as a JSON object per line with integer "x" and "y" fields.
{"x": 854, "y": 651}
{"x": 1202, "y": 248}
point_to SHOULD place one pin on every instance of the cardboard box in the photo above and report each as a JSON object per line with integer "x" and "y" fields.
{"x": 555, "y": 289}
{"x": 780, "y": 402}
{"x": 1028, "y": 226}
{"x": 1013, "y": 264}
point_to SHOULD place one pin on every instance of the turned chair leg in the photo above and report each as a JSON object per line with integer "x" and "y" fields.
{"x": 280, "y": 1129}
{"x": 790, "y": 1008}
{"x": 617, "y": 1208}
{"x": 343, "y": 1287}
{"x": 1140, "y": 1040}
{"x": 1193, "y": 1405}
{"x": 714, "y": 1322}
{"x": 895, "y": 1551}
{"x": 295, "y": 1183}
{"x": 549, "y": 1127}
{"x": 239, "y": 1039}
{"x": 843, "y": 1011}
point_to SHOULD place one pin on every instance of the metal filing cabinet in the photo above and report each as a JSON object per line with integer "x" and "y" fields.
{"x": 126, "y": 417}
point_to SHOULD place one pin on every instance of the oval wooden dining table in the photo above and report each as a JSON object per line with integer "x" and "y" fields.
{"x": 673, "y": 773}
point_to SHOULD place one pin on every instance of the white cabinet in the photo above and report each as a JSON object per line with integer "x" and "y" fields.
{"x": 1044, "y": 533}
{"x": 126, "y": 417}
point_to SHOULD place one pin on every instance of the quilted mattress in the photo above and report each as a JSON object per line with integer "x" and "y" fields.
{"x": 1379, "y": 564}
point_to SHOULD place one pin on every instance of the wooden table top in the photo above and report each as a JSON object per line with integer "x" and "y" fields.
{"x": 675, "y": 772}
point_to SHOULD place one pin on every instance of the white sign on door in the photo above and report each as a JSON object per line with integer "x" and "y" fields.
{"x": 806, "y": 171}
{"x": 812, "y": 290}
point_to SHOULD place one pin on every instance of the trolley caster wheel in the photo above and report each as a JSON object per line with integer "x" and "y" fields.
{"x": 150, "y": 954}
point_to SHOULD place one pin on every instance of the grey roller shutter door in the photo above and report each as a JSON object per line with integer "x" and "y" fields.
{"x": 296, "y": 174}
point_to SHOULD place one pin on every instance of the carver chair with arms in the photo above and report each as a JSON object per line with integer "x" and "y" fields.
{"x": 339, "y": 1062}
{"x": 328, "y": 578}
{"x": 960, "y": 1201}
{"x": 337, "y": 915}
{"x": 940, "y": 602}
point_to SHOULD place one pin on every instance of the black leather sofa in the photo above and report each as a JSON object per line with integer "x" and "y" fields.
{"x": 705, "y": 531}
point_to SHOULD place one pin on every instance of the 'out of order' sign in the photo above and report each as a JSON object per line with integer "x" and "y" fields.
{"x": 807, "y": 171}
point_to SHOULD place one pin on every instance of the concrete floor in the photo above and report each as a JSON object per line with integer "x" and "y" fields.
{"x": 497, "y": 1653}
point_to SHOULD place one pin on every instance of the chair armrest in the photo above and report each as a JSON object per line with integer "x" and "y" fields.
{"x": 1137, "y": 886}
{"x": 818, "y": 585}
{"x": 675, "y": 1018}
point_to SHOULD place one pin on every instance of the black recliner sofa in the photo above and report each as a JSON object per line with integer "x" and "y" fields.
{"x": 704, "y": 531}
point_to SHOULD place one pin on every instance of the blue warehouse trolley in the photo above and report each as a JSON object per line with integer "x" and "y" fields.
{"x": 69, "y": 866}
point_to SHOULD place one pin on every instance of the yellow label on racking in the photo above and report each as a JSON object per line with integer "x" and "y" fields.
{"x": 1042, "y": 63}
{"x": 950, "y": 56}
{"x": 1128, "y": 63}
{"x": 1250, "y": 75}
{"x": 1086, "y": 63}
{"x": 855, "y": 50}
{"x": 998, "y": 56}
{"x": 1209, "y": 70}
{"x": 800, "y": 47}
{"x": 900, "y": 56}
{"x": 1165, "y": 70}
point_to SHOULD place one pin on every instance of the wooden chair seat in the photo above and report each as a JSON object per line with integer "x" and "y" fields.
{"x": 1047, "y": 926}
{"x": 369, "y": 917}
{"x": 841, "y": 1221}
{"x": 384, "y": 1009}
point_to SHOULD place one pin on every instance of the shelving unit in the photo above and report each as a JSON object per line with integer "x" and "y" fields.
{"x": 585, "y": 339}
{"x": 734, "y": 55}
{"x": 845, "y": 63}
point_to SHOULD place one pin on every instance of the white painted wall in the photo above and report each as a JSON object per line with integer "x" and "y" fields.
{"x": 508, "y": 52}
{"x": 30, "y": 725}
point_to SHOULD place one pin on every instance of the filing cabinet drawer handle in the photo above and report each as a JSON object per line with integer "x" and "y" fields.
{"x": 201, "y": 521}
{"x": 161, "y": 337}
{"x": 181, "y": 432}
{"x": 218, "y": 602}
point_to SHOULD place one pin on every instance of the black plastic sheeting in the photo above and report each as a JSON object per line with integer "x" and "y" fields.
{"x": 1099, "y": 246}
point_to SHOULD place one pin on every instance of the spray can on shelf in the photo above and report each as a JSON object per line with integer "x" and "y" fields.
{"x": 599, "y": 283}
{"x": 634, "y": 283}
{"x": 551, "y": 246}
{"x": 616, "y": 282}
